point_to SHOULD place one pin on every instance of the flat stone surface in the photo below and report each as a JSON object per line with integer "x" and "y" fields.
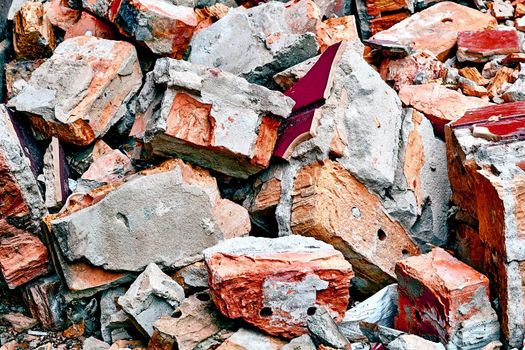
{"x": 211, "y": 118}
{"x": 245, "y": 339}
{"x": 56, "y": 175}
{"x": 274, "y": 283}
{"x": 175, "y": 203}
{"x": 439, "y": 104}
{"x": 368, "y": 238}
{"x": 435, "y": 29}
{"x": 106, "y": 74}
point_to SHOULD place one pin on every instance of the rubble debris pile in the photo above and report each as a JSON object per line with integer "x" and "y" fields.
{"x": 262, "y": 174}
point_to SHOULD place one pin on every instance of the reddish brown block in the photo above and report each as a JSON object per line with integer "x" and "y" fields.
{"x": 91, "y": 25}
{"x": 23, "y": 256}
{"x": 480, "y": 46}
{"x": 443, "y": 299}
{"x": 275, "y": 284}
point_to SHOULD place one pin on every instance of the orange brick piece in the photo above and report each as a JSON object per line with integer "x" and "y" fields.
{"x": 445, "y": 300}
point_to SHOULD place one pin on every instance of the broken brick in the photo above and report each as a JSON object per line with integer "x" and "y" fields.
{"x": 105, "y": 73}
{"x": 61, "y": 15}
{"x": 435, "y": 29}
{"x": 88, "y": 24}
{"x": 275, "y": 283}
{"x": 319, "y": 191}
{"x": 445, "y": 300}
{"x": 481, "y": 46}
{"x": 229, "y": 126}
{"x": 439, "y": 104}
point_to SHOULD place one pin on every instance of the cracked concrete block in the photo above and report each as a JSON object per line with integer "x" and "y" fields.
{"x": 275, "y": 283}
{"x": 119, "y": 226}
{"x": 445, "y": 300}
{"x": 259, "y": 42}
{"x": 105, "y": 75}
{"x": 211, "y": 118}
{"x": 153, "y": 295}
{"x": 331, "y": 205}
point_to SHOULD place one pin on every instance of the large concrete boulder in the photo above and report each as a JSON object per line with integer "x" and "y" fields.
{"x": 176, "y": 205}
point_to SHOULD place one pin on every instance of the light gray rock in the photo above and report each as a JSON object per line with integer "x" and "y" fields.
{"x": 352, "y": 114}
{"x": 108, "y": 310}
{"x": 419, "y": 198}
{"x": 413, "y": 342}
{"x": 93, "y": 343}
{"x": 153, "y": 295}
{"x": 304, "y": 342}
{"x": 247, "y": 339}
{"x": 211, "y": 118}
{"x": 179, "y": 206}
{"x": 193, "y": 277}
{"x": 55, "y": 176}
{"x": 380, "y": 308}
{"x": 324, "y": 330}
{"x": 258, "y": 42}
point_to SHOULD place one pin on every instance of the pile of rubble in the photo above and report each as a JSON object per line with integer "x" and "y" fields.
{"x": 310, "y": 174}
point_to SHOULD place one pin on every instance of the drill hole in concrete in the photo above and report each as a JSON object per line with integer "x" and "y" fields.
{"x": 418, "y": 316}
{"x": 203, "y": 297}
{"x": 177, "y": 314}
{"x": 311, "y": 311}
{"x": 381, "y": 235}
{"x": 266, "y": 312}
{"x": 405, "y": 253}
{"x": 447, "y": 20}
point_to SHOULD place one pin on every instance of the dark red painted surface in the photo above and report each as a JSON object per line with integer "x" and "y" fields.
{"x": 483, "y": 114}
{"x": 506, "y": 128}
{"x": 311, "y": 88}
{"x": 309, "y": 93}
{"x": 489, "y": 41}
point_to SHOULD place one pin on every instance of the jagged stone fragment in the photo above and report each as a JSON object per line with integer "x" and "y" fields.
{"x": 258, "y": 42}
{"x": 93, "y": 343}
{"x": 175, "y": 203}
{"x": 88, "y": 24}
{"x": 193, "y": 277}
{"x": 45, "y": 302}
{"x": 108, "y": 166}
{"x": 196, "y": 321}
{"x": 288, "y": 77}
{"x": 81, "y": 91}
{"x": 153, "y": 295}
{"x": 55, "y": 176}
{"x": 380, "y": 308}
{"x": 436, "y": 28}
{"x": 370, "y": 240}
{"x": 275, "y": 283}
{"x": 111, "y": 314}
{"x": 61, "y": 15}
{"x": 324, "y": 330}
{"x": 445, "y": 300}
{"x": 209, "y": 117}
{"x": 33, "y": 35}
{"x": 413, "y": 342}
{"x": 147, "y": 22}
{"x": 21, "y": 202}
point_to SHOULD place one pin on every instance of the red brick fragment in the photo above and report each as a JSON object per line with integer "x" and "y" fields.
{"x": 480, "y": 46}
{"x": 93, "y": 25}
{"x": 438, "y": 295}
